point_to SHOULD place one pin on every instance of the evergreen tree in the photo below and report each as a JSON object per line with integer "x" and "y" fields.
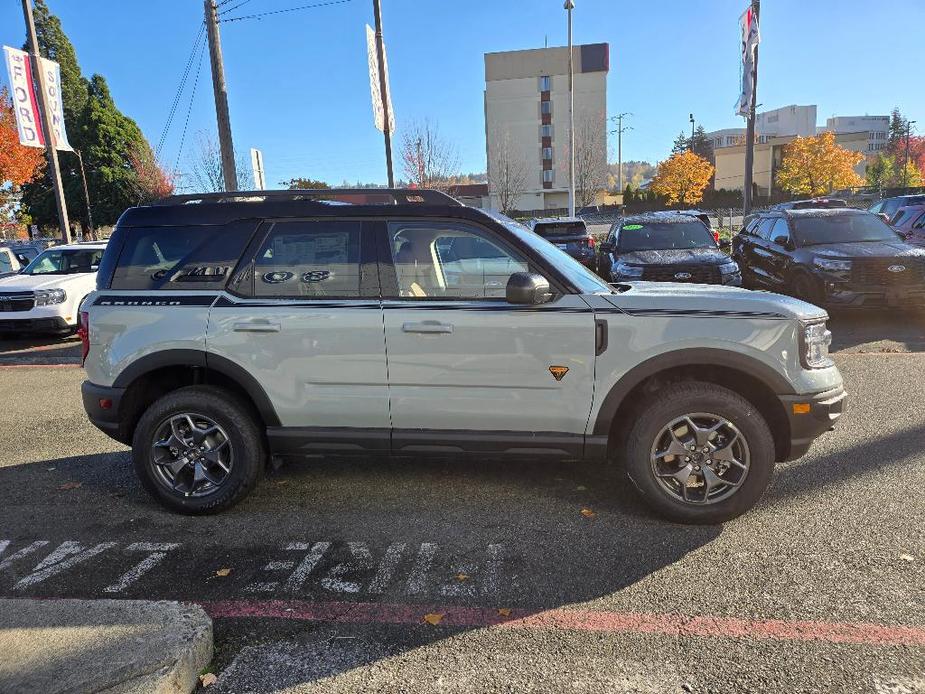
{"x": 109, "y": 141}
{"x": 896, "y": 140}
{"x": 702, "y": 145}
{"x": 681, "y": 143}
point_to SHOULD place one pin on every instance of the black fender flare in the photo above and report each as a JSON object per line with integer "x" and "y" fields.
{"x": 195, "y": 358}
{"x": 696, "y": 356}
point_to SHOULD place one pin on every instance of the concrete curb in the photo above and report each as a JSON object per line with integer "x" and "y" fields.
{"x": 111, "y": 646}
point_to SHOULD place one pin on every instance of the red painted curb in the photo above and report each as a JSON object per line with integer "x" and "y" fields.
{"x": 574, "y": 620}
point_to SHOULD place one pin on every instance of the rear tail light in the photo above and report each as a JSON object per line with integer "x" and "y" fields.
{"x": 716, "y": 236}
{"x": 83, "y": 331}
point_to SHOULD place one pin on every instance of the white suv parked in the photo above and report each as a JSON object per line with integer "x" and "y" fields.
{"x": 45, "y": 295}
{"x": 232, "y": 329}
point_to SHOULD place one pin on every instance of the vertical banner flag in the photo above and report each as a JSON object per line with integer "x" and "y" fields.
{"x": 24, "y": 87}
{"x": 260, "y": 181}
{"x": 750, "y": 40}
{"x": 375, "y": 91}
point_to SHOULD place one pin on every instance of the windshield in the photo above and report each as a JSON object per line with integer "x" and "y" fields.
{"x": 586, "y": 281}
{"x": 65, "y": 262}
{"x": 841, "y": 228}
{"x": 659, "y": 236}
{"x": 548, "y": 230}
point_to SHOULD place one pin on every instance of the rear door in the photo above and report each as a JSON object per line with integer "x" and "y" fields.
{"x": 759, "y": 257}
{"x": 467, "y": 370}
{"x": 778, "y": 248}
{"x": 303, "y": 318}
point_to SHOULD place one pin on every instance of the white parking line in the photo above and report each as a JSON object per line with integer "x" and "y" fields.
{"x": 67, "y": 555}
{"x": 156, "y": 554}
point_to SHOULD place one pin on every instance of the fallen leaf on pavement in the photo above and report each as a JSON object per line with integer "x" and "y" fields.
{"x": 462, "y": 577}
{"x": 907, "y": 557}
{"x": 70, "y": 485}
{"x": 223, "y": 572}
{"x": 581, "y": 487}
{"x": 504, "y": 611}
{"x": 587, "y": 513}
{"x": 208, "y": 679}
{"x": 434, "y": 617}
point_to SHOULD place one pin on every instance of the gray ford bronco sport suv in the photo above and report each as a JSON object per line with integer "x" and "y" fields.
{"x": 229, "y": 330}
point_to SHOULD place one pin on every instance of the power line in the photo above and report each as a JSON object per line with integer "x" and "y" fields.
{"x": 180, "y": 88}
{"x": 290, "y": 9}
{"x": 189, "y": 109}
{"x": 231, "y": 9}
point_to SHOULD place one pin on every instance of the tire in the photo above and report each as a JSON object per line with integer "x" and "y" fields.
{"x": 806, "y": 288}
{"x": 654, "y": 476}
{"x": 201, "y": 486}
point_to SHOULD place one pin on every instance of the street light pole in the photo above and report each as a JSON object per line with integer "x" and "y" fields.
{"x": 909, "y": 124}
{"x": 568, "y": 7}
{"x": 692, "y": 133}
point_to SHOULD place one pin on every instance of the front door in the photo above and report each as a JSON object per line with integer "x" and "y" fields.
{"x": 305, "y": 321}
{"x": 467, "y": 370}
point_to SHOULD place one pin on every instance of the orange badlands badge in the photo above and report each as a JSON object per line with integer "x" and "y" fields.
{"x": 558, "y": 372}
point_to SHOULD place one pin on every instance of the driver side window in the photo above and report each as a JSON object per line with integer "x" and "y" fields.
{"x": 450, "y": 261}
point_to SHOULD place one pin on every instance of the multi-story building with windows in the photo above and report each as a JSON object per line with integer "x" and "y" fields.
{"x": 876, "y": 127}
{"x": 527, "y": 119}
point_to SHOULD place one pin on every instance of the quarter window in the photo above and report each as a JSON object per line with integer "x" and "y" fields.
{"x": 450, "y": 261}
{"x": 309, "y": 260}
{"x": 780, "y": 233}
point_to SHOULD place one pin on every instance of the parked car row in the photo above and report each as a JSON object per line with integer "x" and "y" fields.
{"x": 818, "y": 250}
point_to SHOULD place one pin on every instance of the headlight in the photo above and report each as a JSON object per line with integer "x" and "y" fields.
{"x": 729, "y": 268}
{"x": 830, "y": 265}
{"x": 621, "y": 269}
{"x": 815, "y": 339}
{"x": 47, "y": 297}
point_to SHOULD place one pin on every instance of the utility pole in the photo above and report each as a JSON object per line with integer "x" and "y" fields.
{"x": 383, "y": 91}
{"x": 909, "y": 124}
{"x": 619, "y": 131}
{"x": 83, "y": 178}
{"x": 54, "y": 169}
{"x": 229, "y": 171}
{"x": 750, "y": 128}
{"x": 568, "y": 7}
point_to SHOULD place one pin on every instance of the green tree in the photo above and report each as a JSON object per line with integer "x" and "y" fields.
{"x": 896, "y": 139}
{"x": 304, "y": 184}
{"x": 681, "y": 144}
{"x": 701, "y": 145}
{"x": 109, "y": 141}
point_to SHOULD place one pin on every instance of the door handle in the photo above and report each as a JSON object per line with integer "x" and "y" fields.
{"x": 256, "y": 326}
{"x": 431, "y": 327}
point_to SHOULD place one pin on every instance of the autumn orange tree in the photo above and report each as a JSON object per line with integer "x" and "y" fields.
{"x": 817, "y": 165}
{"x": 18, "y": 164}
{"x": 682, "y": 178}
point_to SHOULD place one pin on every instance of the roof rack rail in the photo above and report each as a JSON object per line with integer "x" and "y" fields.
{"x": 343, "y": 196}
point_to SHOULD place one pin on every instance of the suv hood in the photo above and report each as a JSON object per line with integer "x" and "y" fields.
{"x": 673, "y": 256}
{"x": 866, "y": 249}
{"x": 24, "y": 283}
{"x": 706, "y": 300}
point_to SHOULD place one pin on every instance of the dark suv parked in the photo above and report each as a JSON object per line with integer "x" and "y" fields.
{"x": 570, "y": 234}
{"x": 665, "y": 247}
{"x": 830, "y": 257}
{"x": 890, "y": 206}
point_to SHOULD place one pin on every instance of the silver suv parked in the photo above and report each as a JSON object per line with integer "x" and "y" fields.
{"x": 229, "y": 330}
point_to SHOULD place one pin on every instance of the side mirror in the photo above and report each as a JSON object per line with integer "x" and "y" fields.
{"x": 606, "y": 247}
{"x": 527, "y": 288}
{"x": 725, "y": 244}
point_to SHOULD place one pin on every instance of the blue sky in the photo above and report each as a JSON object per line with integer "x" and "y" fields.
{"x": 298, "y": 82}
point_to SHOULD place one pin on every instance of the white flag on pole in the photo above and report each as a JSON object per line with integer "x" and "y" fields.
{"x": 751, "y": 37}
{"x": 25, "y": 102}
{"x": 375, "y": 91}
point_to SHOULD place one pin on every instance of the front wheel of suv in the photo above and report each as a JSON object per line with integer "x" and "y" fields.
{"x": 700, "y": 453}
{"x": 198, "y": 450}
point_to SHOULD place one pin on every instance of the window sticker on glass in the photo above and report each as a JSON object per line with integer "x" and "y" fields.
{"x": 632, "y": 227}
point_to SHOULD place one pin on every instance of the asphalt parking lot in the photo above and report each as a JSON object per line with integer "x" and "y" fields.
{"x": 445, "y": 576}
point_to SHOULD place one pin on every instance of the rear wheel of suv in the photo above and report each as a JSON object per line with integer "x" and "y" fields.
{"x": 198, "y": 450}
{"x": 700, "y": 453}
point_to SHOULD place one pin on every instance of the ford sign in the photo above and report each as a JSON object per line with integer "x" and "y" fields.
{"x": 896, "y": 268}
{"x": 682, "y": 276}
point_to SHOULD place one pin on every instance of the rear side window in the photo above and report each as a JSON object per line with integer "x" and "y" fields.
{"x": 310, "y": 259}
{"x": 566, "y": 229}
{"x": 180, "y": 258}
